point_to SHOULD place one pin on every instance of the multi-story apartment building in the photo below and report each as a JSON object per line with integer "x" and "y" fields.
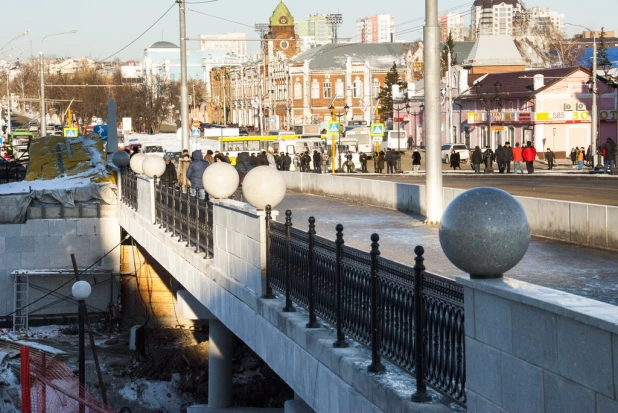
{"x": 452, "y": 23}
{"x": 375, "y": 29}
{"x": 541, "y": 19}
{"x": 314, "y": 31}
{"x": 494, "y": 16}
{"x": 230, "y": 43}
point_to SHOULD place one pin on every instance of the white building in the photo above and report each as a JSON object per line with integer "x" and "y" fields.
{"x": 70, "y": 66}
{"x": 542, "y": 18}
{"x": 494, "y": 16}
{"x": 313, "y": 32}
{"x": 230, "y": 43}
{"x": 452, "y": 23}
{"x": 375, "y": 29}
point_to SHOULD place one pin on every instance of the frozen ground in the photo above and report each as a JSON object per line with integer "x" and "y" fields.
{"x": 587, "y": 272}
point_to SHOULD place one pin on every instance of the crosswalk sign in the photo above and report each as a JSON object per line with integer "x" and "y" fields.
{"x": 333, "y": 128}
{"x": 377, "y": 129}
{"x": 195, "y": 133}
{"x": 70, "y": 132}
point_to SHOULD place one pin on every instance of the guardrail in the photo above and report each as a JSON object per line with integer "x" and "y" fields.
{"x": 387, "y": 306}
{"x": 128, "y": 183}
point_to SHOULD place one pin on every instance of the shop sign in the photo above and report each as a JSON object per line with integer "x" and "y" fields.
{"x": 566, "y": 117}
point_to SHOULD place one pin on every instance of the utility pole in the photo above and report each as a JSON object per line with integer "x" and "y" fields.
{"x": 261, "y": 28}
{"x": 184, "y": 93}
{"x": 449, "y": 98}
{"x": 433, "y": 157}
{"x": 8, "y": 109}
{"x": 595, "y": 97}
{"x": 43, "y": 117}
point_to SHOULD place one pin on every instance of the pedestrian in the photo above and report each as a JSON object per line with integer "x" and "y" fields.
{"x": 169, "y": 177}
{"x": 529, "y": 154}
{"x": 488, "y": 160}
{"x": 609, "y": 157}
{"x": 508, "y": 152}
{"x": 270, "y": 157}
{"x": 550, "y": 157}
{"x": 209, "y": 158}
{"x": 278, "y": 157}
{"x": 253, "y": 159}
{"x": 195, "y": 173}
{"x": 573, "y": 156}
{"x": 325, "y": 162}
{"x": 589, "y": 157}
{"x": 219, "y": 157}
{"x": 286, "y": 162}
{"x": 476, "y": 159}
{"x": 226, "y": 158}
{"x": 381, "y": 159}
{"x": 518, "y": 158}
{"x": 390, "y": 165}
{"x": 135, "y": 151}
{"x": 580, "y": 159}
{"x": 317, "y": 162}
{"x": 349, "y": 165}
{"x": 363, "y": 160}
{"x": 305, "y": 164}
{"x": 501, "y": 158}
{"x": 261, "y": 159}
{"x": 243, "y": 165}
{"x": 455, "y": 159}
{"x": 296, "y": 162}
{"x": 410, "y": 142}
{"x": 416, "y": 161}
{"x": 183, "y": 165}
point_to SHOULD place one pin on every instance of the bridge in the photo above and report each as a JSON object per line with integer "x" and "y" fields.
{"x": 340, "y": 322}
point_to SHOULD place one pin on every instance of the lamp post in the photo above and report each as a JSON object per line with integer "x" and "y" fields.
{"x": 407, "y": 107}
{"x": 22, "y": 34}
{"x": 339, "y": 115}
{"x": 43, "y": 121}
{"x": 486, "y": 98}
{"x": 612, "y": 80}
{"x": 81, "y": 290}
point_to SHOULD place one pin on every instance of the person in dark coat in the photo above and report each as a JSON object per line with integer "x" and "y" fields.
{"x": 476, "y": 159}
{"x": 380, "y": 163}
{"x": 261, "y": 159}
{"x": 488, "y": 159}
{"x": 317, "y": 162}
{"x": 169, "y": 177}
{"x": 253, "y": 159}
{"x": 286, "y": 162}
{"x": 305, "y": 162}
{"x": 550, "y": 157}
{"x": 278, "y": 160}
{"x": 135, "y": 151}
{"x": 455, "y": 159}
{"x": 500, "y": 158}
{"x": 363, "y": 160}
{"x": 573, "y": 156}
{"x": 609, "y": 157}
{"x": 416, "y": 161}
{"x": 195, "y": 172}
{"x": 243, "y": 165}
{"x": 390, "y": 163}
{"x": 508, "y": 152}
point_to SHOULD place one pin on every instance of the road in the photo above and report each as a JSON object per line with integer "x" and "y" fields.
{"x": 583, "y": 271}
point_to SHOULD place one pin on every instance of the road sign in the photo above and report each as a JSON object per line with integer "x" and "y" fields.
{"x": 126, "y": 124}
{"x": 491, "y": 118}
{"x": 333, "y": 128}
{"x": 377, "y": 129}
{"x": 272, "y": 118}
{"x": 101, "y": 130}
{"x": 376, "y": 139}
{"x": 195, "y": 133}
{"x": 69, "y": 132}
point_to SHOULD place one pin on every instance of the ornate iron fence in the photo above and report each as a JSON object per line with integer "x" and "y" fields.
{"x": 385, "y": 305}
{"x": 186, "y": 216}
{"x": 128, "y": 181}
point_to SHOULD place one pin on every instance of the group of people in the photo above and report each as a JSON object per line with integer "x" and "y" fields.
{"x": 581, "y": 156}
{"x": 503, "y": 156}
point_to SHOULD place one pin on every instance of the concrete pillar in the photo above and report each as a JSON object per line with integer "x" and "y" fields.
{"x": 219, "y": 365}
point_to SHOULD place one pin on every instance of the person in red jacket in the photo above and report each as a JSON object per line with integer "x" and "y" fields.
{"x": 518, "y": 158}
{"x": 529, "y": 154}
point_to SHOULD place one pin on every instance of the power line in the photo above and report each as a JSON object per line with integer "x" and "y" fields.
{"x": 221, "y": 18}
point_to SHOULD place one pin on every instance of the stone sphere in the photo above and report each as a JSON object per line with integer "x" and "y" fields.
{"x": 153, "y": 165}
{"x": 81, "y": 290}
{"x": 121, "y": 159}
{"x": 136, "y": 163}
{"x": 220, "y": 180}
{"x": 485, "y": 232}
{"x": 263, "y": 186}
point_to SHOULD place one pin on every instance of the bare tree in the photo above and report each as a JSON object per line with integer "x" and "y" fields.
{"x": 547, "y": 46}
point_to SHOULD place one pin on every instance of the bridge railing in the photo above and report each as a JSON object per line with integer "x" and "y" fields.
{"x": 128, "y": 187}
{"x": 388, "y": 306}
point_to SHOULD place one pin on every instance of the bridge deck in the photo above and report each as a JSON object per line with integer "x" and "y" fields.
{"x": 584, "y": 271}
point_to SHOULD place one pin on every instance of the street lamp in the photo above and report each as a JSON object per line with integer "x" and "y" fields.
{"x": 43, "y": 122}
{"x": 612, "y": 81}
{"x": 486, "y": 98}
{"x": 22, "y": 34}
{"x": 339, "y": 115}
{"x": 81, "y": 290}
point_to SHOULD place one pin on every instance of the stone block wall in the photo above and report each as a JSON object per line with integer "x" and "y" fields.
{"x": 534, "y": 349}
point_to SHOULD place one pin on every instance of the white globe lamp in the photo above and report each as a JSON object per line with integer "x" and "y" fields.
{"x": 121, "y": 159}
{"x": 81, "y": 290}
{"x": 263, "y": 186}
{"x": 220, "y": 180}
{"x": 136, "y": 163}
{"x": 153, "y": 165}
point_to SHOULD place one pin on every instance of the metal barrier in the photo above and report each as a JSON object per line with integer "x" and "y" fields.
{"x": 128, "y": 181}
{"x": 11, "y": 172}
{"x": 389, "y": 307}
{"x": 186, "y": 216}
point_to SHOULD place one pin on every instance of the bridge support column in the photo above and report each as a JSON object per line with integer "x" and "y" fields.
{"x": 219, "y": 365}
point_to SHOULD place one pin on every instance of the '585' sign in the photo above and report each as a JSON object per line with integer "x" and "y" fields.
{"x": 570, "y": 116}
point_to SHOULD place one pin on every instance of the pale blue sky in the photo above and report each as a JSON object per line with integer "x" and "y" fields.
{"x": 106, "y": 26}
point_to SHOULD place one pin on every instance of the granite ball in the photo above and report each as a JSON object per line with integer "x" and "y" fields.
{"x": 121, "y": 159}
{"x": 81, "y": 290}
{"x": 220, "y": 180}
{"x": 136, "y": 163}
{"x": 263, "y": 186}
{"x": 485, "y": 232}
{"x": 153, "y": 165}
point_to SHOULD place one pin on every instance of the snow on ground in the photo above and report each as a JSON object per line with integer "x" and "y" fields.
{"x": 160, "y": 395}
{"x": 82, "y": 179}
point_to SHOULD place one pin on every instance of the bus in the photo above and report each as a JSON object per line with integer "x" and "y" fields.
{"x": 395, "y": 140}
{"x": 20, "y": 141}
{"x": 363, "y": 136}
{"x": 255, "y": 144}
{"x": 343, "y": 145}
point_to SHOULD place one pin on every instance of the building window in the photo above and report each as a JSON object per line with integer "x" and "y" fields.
{"x": 375, "y": 88}
{"x": 298, "y": 90}
{"x": 358, "y": 88}
{"x": 339, "y": 89}
{"x": 328, "y": 89}
{"x": 315, "y": 89}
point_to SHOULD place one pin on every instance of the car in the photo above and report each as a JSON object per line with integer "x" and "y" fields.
{"x": 460, "y": 148}
{"x": 243, "y": 132}
{"x": 154, "y": 150}
{"x": 33, "y": 126}
{"x": 11, "y": 171}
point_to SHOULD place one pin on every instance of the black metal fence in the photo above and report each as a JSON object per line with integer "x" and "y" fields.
{"x": 186, "y": 216}
{"x": 128, "y": 183}
{"x": 11, "y": 172}
{"x": 385, "y": 305}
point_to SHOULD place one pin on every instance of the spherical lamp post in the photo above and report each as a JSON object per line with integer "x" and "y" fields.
{"x": 263, "y": 186}
{"x": 485, "y": 232}
{"x": 81, "y": 290}
{"x": 220, "y": 180}
{"x": 121, "y": 159}
{"x": 136, "y": 163}
{"x": 153, "y": 165}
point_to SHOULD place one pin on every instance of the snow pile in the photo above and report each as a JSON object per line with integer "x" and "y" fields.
{"x": 155, "y": 394}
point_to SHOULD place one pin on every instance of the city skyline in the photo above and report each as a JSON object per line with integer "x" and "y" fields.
{"x": 45, "y": 18}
